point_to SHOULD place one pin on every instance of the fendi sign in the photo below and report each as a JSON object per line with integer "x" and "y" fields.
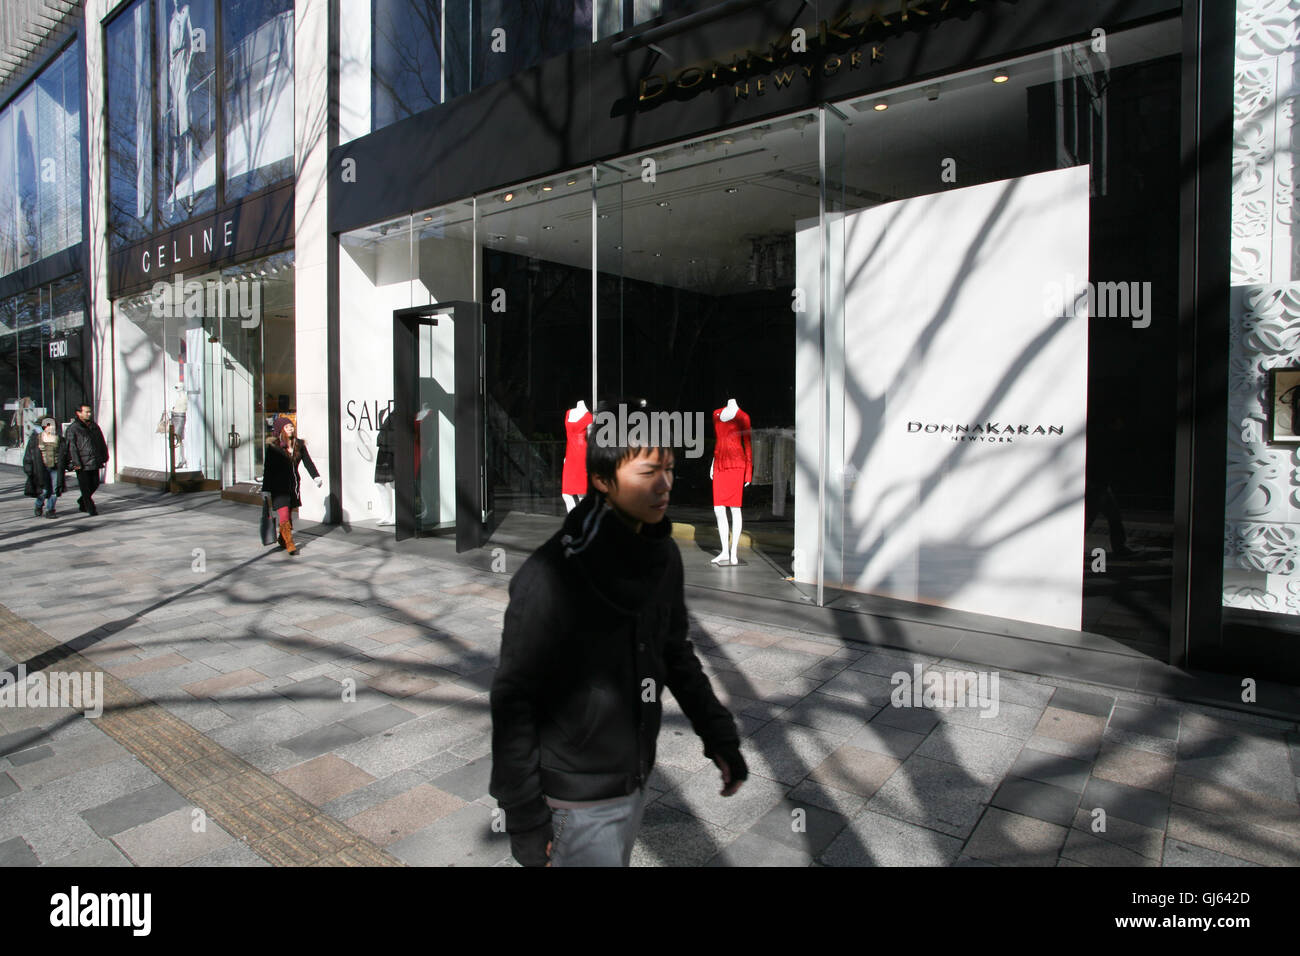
{"x": 848, "y": 42}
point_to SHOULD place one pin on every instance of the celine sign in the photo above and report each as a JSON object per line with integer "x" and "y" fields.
{"x": 259, "y": 225}
{"x": 811, "y": 53}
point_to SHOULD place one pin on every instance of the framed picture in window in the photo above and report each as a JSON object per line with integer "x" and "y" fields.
{"x": 1284, "y": 406}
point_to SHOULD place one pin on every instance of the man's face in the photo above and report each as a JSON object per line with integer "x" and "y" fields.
{"x": 84, "y": 413}
{"x": 641, "y": 487}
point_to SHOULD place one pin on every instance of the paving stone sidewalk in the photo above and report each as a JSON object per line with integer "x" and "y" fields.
{"x": 332, "y": 709}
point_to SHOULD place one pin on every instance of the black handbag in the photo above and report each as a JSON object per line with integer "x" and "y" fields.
{"x": 270, "y": 527}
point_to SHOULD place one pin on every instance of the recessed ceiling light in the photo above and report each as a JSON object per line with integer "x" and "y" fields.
{"x": 571, "y": 181}
{"x": 428, "y": 219}
{"x": 659, "y": 255}
{"x": 508, "y": 197}
{"x": 1000, "y": 78}
{"x": 547, "y": 228}
{"x": 662, "y": 204}
{"x": 618, "y": 247}
{"x": 547, "y": 187}
{"x": 880, "y": 106}
{"x": 727, "y": 140}
{"x": 732, "y": 190}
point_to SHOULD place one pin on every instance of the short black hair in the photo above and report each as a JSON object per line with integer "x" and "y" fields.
{"x": 604, "y": 458}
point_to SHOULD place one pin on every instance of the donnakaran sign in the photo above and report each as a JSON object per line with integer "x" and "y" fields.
{"x": 985, "y": 432}
{"x": 847, "y": 42}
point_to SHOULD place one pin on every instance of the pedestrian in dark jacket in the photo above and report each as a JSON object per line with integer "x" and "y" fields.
{"x": 284, "y": 452}
{"x": 87, "y": 453}
{"x": 45, "y": 460}
{"x": 596, "y": 629}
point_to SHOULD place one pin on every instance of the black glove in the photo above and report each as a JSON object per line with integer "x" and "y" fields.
{"x": 729, "y": 753}
{"x": 529, "y": 846}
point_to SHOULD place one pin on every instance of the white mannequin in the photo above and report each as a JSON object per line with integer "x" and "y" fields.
{"x": 392, "y": 506}
{"x": 575, "y": 413}
{"x": 730, "y": 540}
{"x": 180, "y": 406}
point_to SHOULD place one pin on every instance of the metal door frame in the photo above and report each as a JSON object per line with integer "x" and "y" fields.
{"x": 470, "y": 419}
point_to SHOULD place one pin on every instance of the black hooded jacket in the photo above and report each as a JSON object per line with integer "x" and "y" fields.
{"x": 280, "y": 473}
{"x": 595, "y": 630}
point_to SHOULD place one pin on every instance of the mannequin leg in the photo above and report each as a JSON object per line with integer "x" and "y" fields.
{"x": 723, "y": 534}
{"x": 391, "y": 496}
{"x": 735, "y": 534}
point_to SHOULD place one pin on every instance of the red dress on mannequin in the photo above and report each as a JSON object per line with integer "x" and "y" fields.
{"x": 574, "y": 480}
{"x": 733, "y": 459}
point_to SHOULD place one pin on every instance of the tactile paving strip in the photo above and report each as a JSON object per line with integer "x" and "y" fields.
{"x": 276, "y": 824}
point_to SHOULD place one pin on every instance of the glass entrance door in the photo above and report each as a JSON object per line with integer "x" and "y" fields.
{"x": 434, "y": 425}
{"x": 439, "y": 438}
{"x": 230, "y": 383}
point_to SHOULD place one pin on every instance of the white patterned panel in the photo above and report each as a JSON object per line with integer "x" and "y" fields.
{"x": 1262, "y": 531}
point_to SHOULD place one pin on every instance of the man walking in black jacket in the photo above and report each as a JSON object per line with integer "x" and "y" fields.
{"x": 595, "y": 630}
{"x": 87, "y": 453}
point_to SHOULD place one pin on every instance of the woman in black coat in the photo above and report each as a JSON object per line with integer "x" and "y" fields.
{"x": 284, "y": 452}
{"x": 45, "y": 460}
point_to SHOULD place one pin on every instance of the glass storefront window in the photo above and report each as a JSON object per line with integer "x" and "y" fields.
{"x": 209, "y": 359}
{"x": 186, "y": 160}
{"x": 8, "y": 196}
{"x": 400, "y": 57}
{"x": 916, "y": 329}
{"x": 1003, "y": 279}
{"x": 28, "y": 189}
{"x": 163, "y": 164}
{"x": 41, "y": 358}
{"x": 257, "y": 36}
{"x": 536, "y": 244}
{"x": 699, "y": 311}
{"x": 11, "y": 431}
{"x": 407, "y": 59}
{"x": 130, "y": 125}
{"x": 531, "y": 34}
{"x": 58, "y": 108}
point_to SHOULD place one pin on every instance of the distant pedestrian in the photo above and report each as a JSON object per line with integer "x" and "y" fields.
{"x": 45, "y": 460}
{"x": 284, "y": 452}
{"x": 87, "y": 454}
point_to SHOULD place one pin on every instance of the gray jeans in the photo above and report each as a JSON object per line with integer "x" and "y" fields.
{"x": 597, "y": 836}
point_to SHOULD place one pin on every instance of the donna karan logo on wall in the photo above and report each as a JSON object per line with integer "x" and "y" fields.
{"x": 986, "y": 431}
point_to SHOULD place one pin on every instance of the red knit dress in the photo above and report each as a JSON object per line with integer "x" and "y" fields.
{"x": 733, "y": 459}
{"x": 574, "y": 480}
